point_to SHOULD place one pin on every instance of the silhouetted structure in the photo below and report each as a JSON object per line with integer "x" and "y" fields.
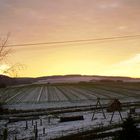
{"x": 96, "y": 107}
{"x": 114, "y": 106}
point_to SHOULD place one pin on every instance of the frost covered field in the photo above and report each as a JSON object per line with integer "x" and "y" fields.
{"x": 58, "y": 97}
{"x": 66, "y": 95}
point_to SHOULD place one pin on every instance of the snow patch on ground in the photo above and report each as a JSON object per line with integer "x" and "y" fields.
{"x": 56, "y": 129}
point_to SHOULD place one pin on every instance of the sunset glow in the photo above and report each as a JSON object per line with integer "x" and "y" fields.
{"x": 33, "y": 21}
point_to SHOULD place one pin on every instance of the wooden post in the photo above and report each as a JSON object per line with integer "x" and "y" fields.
{"x": 34, "y": 128}
{"x": 36, "y": 131}
{"x": 43, "y": 130}
{"x": 36, "y": 134}
{"x": 32, "y": 122}
{"x": 26, "y": 125}
{"x": 40, "y": 122}
{"x": 15, "y": 137}
{"x": 36, "y": 124}
{"x": 49, "y": 119}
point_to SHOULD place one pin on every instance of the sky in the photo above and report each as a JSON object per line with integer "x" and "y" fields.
{"x": 34, "y": 21}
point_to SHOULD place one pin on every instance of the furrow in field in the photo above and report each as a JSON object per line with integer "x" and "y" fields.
{"x": 108, "y": 94}
{"x": 24, "y": 94}
{"x": 14, "y": 96}
{"x": 32, "y": 94}
{"x": 128, "y": 90}
{"x": 44, "y": 95}
{"x": 79, "y": 95}
{"x": 56, "y": 94}
{"x": 116, "y": 90}
{"x": 69, "y": 93}
{"x": 62, "y": 97}
{"x": 19, "y": 97}
{"x": 4, "y": 94}
{"x": 26, "y": 98}
{"x": 128, "y": 87}
{"x": 85, "y": 94}
{"x": 134, "y": 93}
{"x": 64, "y": 93}
{"x": 9, "y": 93}
{"x": 95, "y": 94}
{"x": 35, "y": 93}
{"x": 39, "y": 94}
{"x": 52, "y": 94}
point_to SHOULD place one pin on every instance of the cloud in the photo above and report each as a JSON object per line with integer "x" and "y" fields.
{"x": 133, "y": 61}
{"x": 129, "y": 67}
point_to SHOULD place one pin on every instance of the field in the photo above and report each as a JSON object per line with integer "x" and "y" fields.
{"x": 64, "y": 95}
{"x": 59, "y": 100}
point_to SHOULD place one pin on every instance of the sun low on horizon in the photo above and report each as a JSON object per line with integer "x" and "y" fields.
{"x": 60, "y": 37}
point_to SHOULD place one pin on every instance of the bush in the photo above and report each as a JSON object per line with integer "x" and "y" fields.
{"x": 129, "y": 130}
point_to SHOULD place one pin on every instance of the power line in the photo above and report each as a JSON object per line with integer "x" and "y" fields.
{"x": 76, "y": 41}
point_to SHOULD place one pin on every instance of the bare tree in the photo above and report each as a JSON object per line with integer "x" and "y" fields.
{"x": 4, "y": 49}
{"x": 14, "y": 70}
{"x": 4, "y": 52}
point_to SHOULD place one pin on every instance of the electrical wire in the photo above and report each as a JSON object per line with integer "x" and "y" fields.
{"x": 77, "y": 41}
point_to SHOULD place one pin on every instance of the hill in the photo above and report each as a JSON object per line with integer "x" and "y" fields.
{"x": 63, "y": 79}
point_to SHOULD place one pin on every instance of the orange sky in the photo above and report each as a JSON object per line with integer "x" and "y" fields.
{"x": 59, "y": 20}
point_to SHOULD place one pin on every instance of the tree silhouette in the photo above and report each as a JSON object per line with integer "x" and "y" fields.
{"x": 4, "y": 49}
{"x": 129, "y": 130}
{"x": 4, "y": 52}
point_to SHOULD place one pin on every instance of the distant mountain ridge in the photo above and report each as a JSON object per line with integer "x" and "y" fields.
{"x": 62, "y": 78}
